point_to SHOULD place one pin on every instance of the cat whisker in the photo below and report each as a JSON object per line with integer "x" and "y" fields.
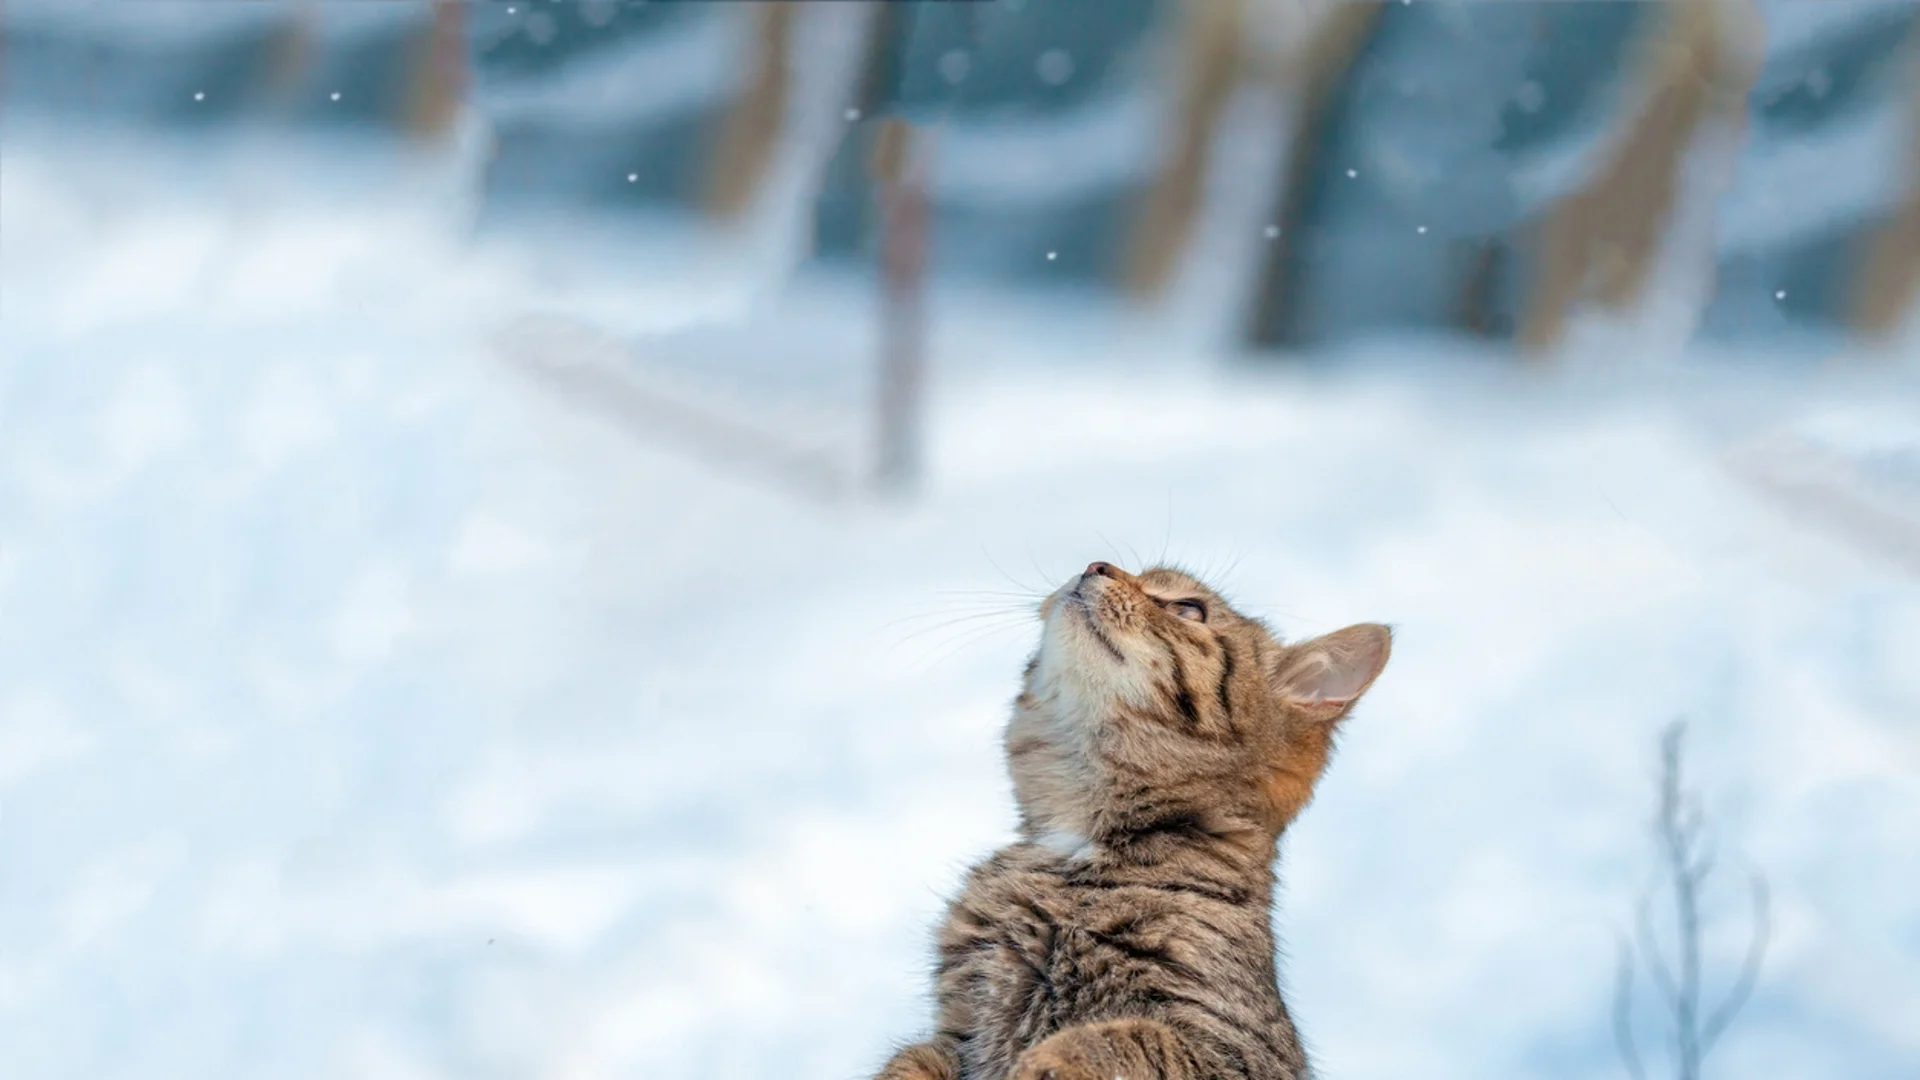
{"x": 1011, "y": 580}
{"x": 1166, "y": 536}
{"x": 963, "y": 641}
{"x": 1115, "y": 548}
{"x": 1048, "y": 580}
{"x": 1233, "y": 565}
{"x": 989, "y": 618}
{"x": 1028, "y": 596}
{"x": 985, "y": 607}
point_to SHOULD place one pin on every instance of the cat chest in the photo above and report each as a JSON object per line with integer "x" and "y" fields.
{"x": 1020, "y": 965}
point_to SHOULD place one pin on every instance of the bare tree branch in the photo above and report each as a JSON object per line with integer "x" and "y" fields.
{"x": 1623, "y": 1013}
{"x": 1749, "y": 970}
{"x": 1703, "y": 861}
{"x": 1687, "y": 859}
{"x": 1650, "y": 951}
{"x": 1679, "y": 824}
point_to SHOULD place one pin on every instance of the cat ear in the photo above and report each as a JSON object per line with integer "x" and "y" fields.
{"x": 1325, "y": 676}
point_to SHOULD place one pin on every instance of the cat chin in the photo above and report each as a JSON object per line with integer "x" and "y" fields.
{"x": 1088, "y": 670}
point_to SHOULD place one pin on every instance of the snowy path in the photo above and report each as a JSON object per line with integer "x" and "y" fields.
{"x": 365, "y": 713}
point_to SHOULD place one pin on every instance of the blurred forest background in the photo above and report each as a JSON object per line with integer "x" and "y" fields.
{"x": 518, "y": 518}
{"x": 1391, "y": 166}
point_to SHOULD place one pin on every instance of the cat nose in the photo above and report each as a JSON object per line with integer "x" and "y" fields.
{"x": 1101, "y": 569}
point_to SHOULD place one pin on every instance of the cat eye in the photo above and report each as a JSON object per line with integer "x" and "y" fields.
{"x": 1192, "y": 610}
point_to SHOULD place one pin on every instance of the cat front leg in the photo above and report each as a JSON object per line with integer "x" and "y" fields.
{"x": 1112, "y": 1050}
{"x": 936, "y": 1059}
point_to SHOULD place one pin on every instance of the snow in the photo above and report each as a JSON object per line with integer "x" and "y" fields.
{"x": 1795, "y": 28}
{"x": 1843, "y": 175}
{"x": 163, "y": 24}
{"x": 687, "y": 65}
{"x": 1022, "y": 162}
{"x": 173, "y": 24}
{"x": 366, "y": 711}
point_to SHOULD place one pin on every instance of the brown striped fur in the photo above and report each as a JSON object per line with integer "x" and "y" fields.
{"x": 1156, "y": 759}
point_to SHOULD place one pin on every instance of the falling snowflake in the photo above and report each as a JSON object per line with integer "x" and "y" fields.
{"x": 954, "y": 65}
{"x": 1780, "y": 294}
{"x": 1052, "y": 255}
{"x": 1422, "y": 230}
{"x": 199, "y": 95}
{"x": 1353, "y": 174}
{"x": 1273, "y": 231}
{"x": 335, "y": 95}
{"x": 853, "y": 114}
{"x": 633, "y": 178}
{"x": 1055, "y": 67}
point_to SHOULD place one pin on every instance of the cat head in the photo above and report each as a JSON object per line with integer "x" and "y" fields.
{"x": 1151, "y": 695}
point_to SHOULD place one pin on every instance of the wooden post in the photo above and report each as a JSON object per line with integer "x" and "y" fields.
{"x": 1606, "y": 236}
{"x": 1887, "y": 281}
{"x": 899, "y": 169}
{"x": 753, "y": 124}
{"x": 439, "y": 85}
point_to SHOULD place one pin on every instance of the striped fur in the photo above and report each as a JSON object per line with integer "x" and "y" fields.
{"x": 1156, "y": 759}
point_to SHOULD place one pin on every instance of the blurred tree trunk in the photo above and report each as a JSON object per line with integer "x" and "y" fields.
{"x": 1604, "y": 238}
{"x": 1323, "y": 62}
{"x": 1480, "y": 293}
{"x": 1209, "y": 67}
{"x": 440, "y": 80}
{"x": 900, "y": 171}
{"x": 1888, "y": 280}
{"x": 291, "y": 53}
{"x": 753, "y": 125}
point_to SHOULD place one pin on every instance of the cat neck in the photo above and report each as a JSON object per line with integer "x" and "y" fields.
{"x": 1183, "y": 849}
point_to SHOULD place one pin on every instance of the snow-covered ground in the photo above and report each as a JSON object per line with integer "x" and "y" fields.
{"x": 365, "y": 711}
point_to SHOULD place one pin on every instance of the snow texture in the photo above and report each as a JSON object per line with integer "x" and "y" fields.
{"x": 365, "y": 712}
{"x": 686, "y": 66}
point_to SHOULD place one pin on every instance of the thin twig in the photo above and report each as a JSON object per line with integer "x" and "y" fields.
{"x": 1650, "y": 952}
{"x": 1687, "y": 860}
{"x": 1679, "y": 823}
{"x": 1623, "y": 1013}
{"x": 1749, "y": 970}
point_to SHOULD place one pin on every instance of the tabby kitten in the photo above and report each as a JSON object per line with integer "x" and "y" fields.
{"x": 1160, "y": 745}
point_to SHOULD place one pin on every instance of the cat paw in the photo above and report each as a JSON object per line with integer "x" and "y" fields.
{"x": 1054, "y": 1061}
{"x": 1114, "y": 1050}
{"x": 924, "y": 1061}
